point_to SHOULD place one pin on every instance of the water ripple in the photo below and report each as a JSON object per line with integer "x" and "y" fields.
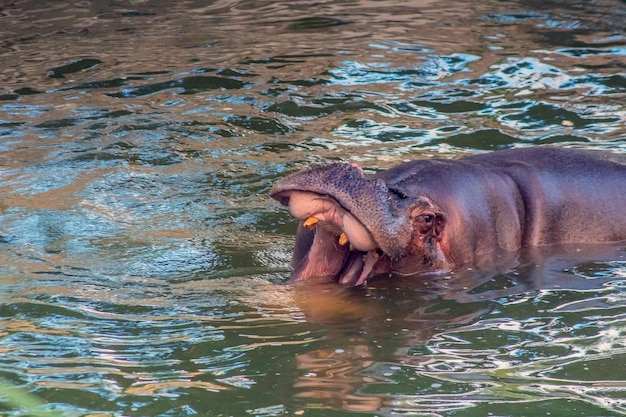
{"x": 142, "y": 263}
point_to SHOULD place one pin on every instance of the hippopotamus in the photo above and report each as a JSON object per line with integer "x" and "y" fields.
{"x": 444, "y": 214}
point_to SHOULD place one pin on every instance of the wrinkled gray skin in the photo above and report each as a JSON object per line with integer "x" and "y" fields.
{"x": 431, "y": 215}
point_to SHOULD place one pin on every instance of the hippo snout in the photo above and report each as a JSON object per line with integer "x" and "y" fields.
{"x": 348, "y": 210}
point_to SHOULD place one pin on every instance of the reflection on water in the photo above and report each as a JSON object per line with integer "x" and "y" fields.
{"x": 476, "y": 342}
{"x": 142, "y": 262}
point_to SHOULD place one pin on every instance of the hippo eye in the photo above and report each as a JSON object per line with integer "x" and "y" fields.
{"x": 428, "y": 218}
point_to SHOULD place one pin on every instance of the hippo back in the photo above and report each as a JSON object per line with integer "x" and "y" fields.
{"x": 569, "y": 195}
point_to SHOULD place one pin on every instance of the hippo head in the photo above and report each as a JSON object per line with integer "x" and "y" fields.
{"x": 353, "y": 226}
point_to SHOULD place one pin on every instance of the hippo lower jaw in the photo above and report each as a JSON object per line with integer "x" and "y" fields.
{"x": 341, "y": 248}
{"x": 328, "y": 258}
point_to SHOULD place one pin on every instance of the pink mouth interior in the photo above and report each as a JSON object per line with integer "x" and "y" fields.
{"x": 304, "y": 205}
{"x": 351, "y": 263}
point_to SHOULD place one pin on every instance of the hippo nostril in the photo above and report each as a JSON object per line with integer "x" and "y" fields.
{"x": 398, "y": 193}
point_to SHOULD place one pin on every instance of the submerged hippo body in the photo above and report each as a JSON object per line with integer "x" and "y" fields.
{"x": 434, "y": 214}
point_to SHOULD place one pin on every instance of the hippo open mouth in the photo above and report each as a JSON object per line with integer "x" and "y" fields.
{"x": 341, "y": 247}
{"x": 348, "y": 223}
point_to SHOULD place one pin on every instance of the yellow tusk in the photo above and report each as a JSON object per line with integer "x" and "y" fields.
{"x": 310, "y": 223}
{"x": 343, "y": 239}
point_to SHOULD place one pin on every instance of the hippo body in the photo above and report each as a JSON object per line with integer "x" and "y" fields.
{"x": 434, "y": 214}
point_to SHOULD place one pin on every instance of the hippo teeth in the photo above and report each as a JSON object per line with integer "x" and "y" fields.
{"x": 359, "y": 267}
{"x": 343, "y": 239}
{"x": 310, "y": 223}
{"x": 369, "y": 261}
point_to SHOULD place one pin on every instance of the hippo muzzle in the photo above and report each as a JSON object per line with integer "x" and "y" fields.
{"x": 349, "y": 223}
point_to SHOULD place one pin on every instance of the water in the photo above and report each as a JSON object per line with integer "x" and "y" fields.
{"x": 142, "y": 262}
